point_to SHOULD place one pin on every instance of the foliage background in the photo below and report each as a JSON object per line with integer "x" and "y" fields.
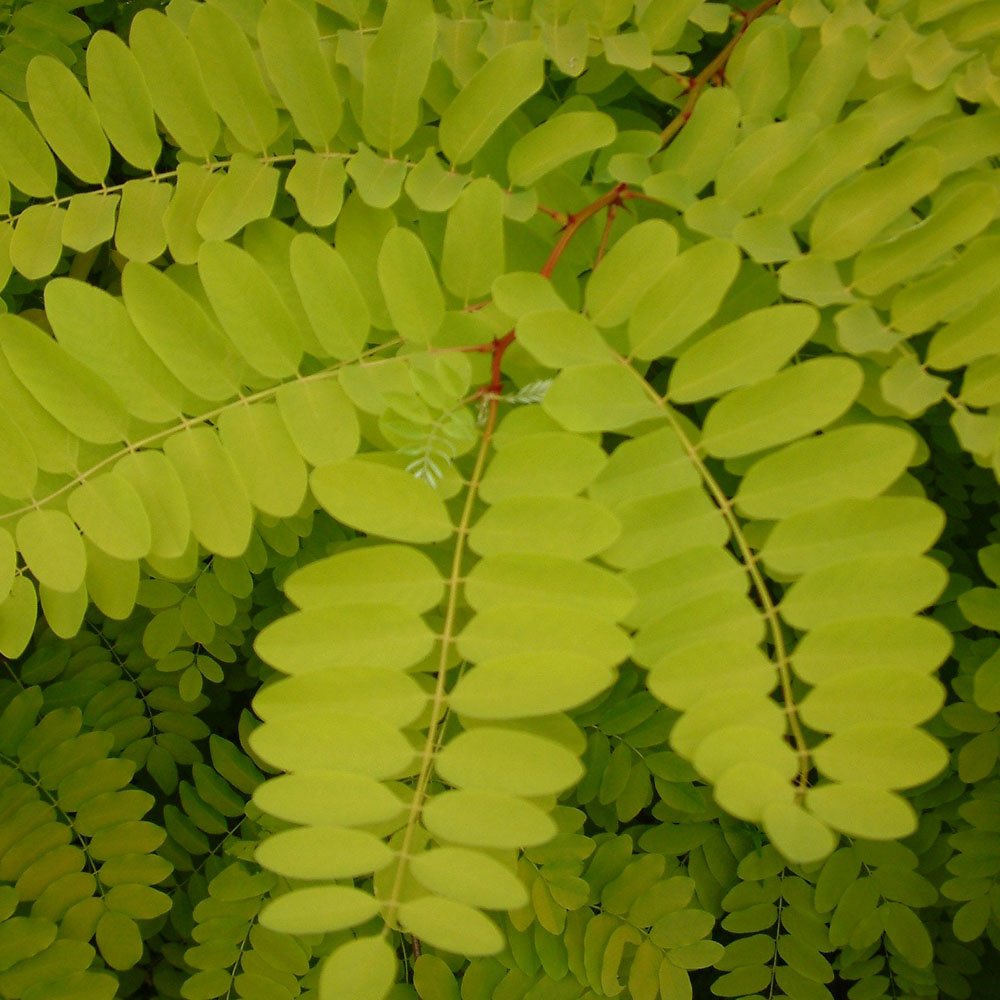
{"x": 499, "y": 499}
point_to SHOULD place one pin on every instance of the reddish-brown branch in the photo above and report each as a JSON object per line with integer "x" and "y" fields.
{"x": 553, "y": 214}
{"x": 716, "y": 69}
{"x": 613, "y": 199}
{"x": 605, "y": 236}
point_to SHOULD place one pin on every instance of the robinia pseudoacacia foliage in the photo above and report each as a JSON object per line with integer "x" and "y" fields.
{"x": 499, "y": 500}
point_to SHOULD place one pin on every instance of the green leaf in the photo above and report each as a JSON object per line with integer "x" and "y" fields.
{"x": 397, "y": 65}
{"x": 250, "y": 309}
{"x": 94, "y": 328}
{"x": 558, "y": 338}
{"x": 599, "y": 397}
{"x": 858, "y": 696}
{"x": 917, "y": 644}
{"x": 387, "y": 694}
{"x": 743, "y": 352}
{"x": 657, "y": 527}
{"x": 410, "y": 286}
{"x": 469, "y": 876}
{"x": 722, "y": 616}
{"x": 111, "y": 514}
{"x": 123, "y": 104}
{"x": 529, "y": 685}
{"x": 323, "y": 852}
{"x": 318, "y": 910}
{"x": 523, "y": 629}
{"x": 431, "y": 187}
{"x": 321, "y": 420}
{"x": 327, "y": 798}
{"x": 907, "y": 387}
{"x": 496, "y": 90}
{"x": 381, "y": 500}
{"x": 316, "y": 183}
{"x": 140, "y": 235}
{"x": 67, "y": 119}
{"x": 433, "y": 980}
{"x": 832, "y": 155}
{"x": 177, "y": 329}
{"x": 556, "y": 141}
{"x": 687, "y": 295}
{"x": 245, "y": 193}
{"x": 855, "y": 462}
{"x": 746, "y": 172}
{"x": 507, "y": 579}
{"x": 791, "y": 404}
{"x": 24, "y": 157}
{"x": 552, "y": 464}
{"x": 364, "y": 967}
{"x": 701, "y": 146}
{"x": 648, "y": 465}
{"x": 856, "y": 212}
{"x": 221, "y": 515}
{"x": 18, "y": 613}
{"x": 637, "y": 260}
{"x": 487, "y": 819}
{"x": 112, "y": 584}
{"x": 175, "y": 82}
{"x": 8, "y": 563}
{"x": 265, "y": 457}
{"x": 797, "y": 834}
{"x": 507, "y": 761}
{"x": 118, "y": 940}
{"x": 907, "y": 933}
{"x": 473, "y": 254}
{"x": 862, "y": 810}
{"x": 333, "y": 301}
{"x": 393, "y": 574}
{"x": 949, "y": 291}
{"x": 974, "y": 334}
{"x": 887, "y": 754}
{"x": 728, "y": 746}
{"x": 359, "y": 744}
{"x": 17, "y": 459}
{"x": 519, "y": 293}
{"x": 758, "y": 73}
{"x": 571, "y": 527}
{"x": 748, "y": 788}
{"x": 193, "y": 185}
{"x": 140, "y": 902}
{"x": 36, "y": 246}
{"x": 347, "y": 635}
{"x": 450, "y": 925}
{"x": 84, "y": 403}
{"x": 846, "y": 529}
{"x": 377, "y": 180}
{"x": 89, "y": 220}
{"x": 723, "y": 709}
{"x": 955, "y": 220}
{"x": 23, "y": 937}
{"x": 681, "y": 677}
{"x": 867, "y": 585}
{"x": 289, "y": 43}
{"x": 159, "y": 487}
{"x": 237, "y": 92}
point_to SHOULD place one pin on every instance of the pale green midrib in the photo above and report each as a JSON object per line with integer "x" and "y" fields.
{"x": 438, "y": 706}
{"x": 189, "y": 422}
{"x": 749, "y": 563}
{"x": 66, "y": 818}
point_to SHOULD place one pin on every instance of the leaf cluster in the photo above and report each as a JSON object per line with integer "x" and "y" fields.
{"x": 499, "y": 500}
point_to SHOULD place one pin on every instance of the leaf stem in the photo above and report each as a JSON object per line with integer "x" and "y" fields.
{"x": 714, "y": 69}
{"x": 749, "y": 559}
{"x": 439, "y": 706}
